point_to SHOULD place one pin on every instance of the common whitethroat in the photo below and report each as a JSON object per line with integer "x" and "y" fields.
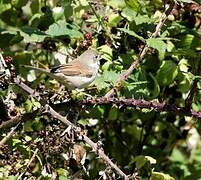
{"x": 78, "y": 73}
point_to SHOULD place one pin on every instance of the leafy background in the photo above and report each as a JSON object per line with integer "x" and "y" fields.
{"x": 153, "y": 144}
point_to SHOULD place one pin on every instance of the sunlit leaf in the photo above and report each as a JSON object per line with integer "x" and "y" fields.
{"x": 161, "y": 176}
{"x": 157, "y": 43}
{"x": 114, "y": 19}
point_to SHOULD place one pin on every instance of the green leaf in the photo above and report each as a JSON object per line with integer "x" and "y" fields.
{"x": 61, "y": 28}
{"x": 167, "y": 73}
{"x": 28, "y": 138}
{"x": 63, "y": 173}
{"x": 100, "y": 83}
{"x": 157, "y": 43}
{"x": 161, "y": 176}
{"x": 134, "y": 4}
{"x": 177, "y": 156}
{"x": 114, "y": 19}
{"x": 132, "y": 33}
{"x": 8, "y": 38}
{"x": 150, "y": 159}
{"x": 140, "y": 161}
{"x": 35, "y": 6}
{"x": 31, "y": 34}
{"x": 117, "y": 3}
{"x": 68, "y": 11}
{"x": 106, "y": 79}
{"x": 31, "y": 104}
{"x": 143, "y": 19}
{"x": 106, "y": 52}
{"x": 110, "y": 76}
{"x": 185, "y": 85}
{"x": 4, "y": 7}
{"x": 16, "y": 141}
{"x": 129, "y": 13}
{"x": 12, "y": 14}
{"x": 170, "y": 46}
{"x": 12, "y": 178}
{"x": 186, "y": 41}
{"x": 28, "y": 105}
{"x": 135, "y": 132}
{"x": 19, "y": 3}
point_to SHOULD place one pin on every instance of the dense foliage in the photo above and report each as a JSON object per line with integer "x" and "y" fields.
{"x": 146, "y": 142}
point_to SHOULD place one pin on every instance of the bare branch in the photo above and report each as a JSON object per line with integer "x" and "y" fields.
{"x": 11, "y": 122}
{"x": 19, "y": 118}
{"x": 27, "y": 89}
{"x": 136, "y": 63}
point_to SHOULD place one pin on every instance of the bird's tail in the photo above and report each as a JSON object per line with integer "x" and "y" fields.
{"x": 45, "y": 71}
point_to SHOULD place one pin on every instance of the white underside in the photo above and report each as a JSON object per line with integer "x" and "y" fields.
{"x": 73, "y": 82}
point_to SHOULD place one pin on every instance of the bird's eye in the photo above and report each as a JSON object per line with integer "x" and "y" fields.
{"x": 97, "y": 57}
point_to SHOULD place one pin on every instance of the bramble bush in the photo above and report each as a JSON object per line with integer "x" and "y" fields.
{"x": 158, "y": 137}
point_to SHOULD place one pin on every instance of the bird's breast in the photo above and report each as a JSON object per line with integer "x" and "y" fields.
{"x": 73, "y": 82}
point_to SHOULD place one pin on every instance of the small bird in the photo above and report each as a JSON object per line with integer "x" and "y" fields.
{"x": 78, "y": 73}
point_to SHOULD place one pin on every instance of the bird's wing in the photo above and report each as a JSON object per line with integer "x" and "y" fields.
{"x": 73, "y": 69}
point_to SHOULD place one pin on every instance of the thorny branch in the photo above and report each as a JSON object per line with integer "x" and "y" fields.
{"x": 119, "y": 102}
{"x": 135, "y": 103}
{"x": 136, "y": 63}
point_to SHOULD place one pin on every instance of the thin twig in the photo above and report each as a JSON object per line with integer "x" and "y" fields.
{"x": 30, "y": 161}
{"x": 101, "y": 22}
{"x": 136, "y": 63}
{"x": 189, "y": 99}
{"x": 97, "y": 16}
{"x": 7, "y": 137}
